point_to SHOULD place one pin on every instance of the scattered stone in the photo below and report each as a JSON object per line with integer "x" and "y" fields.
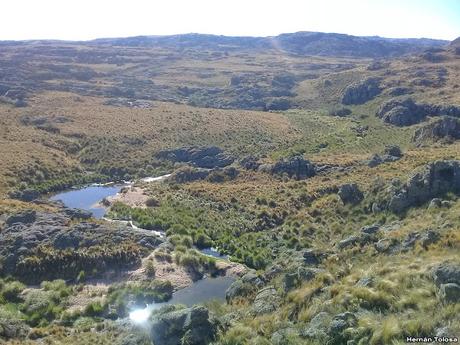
{"x": 350, "y": 194}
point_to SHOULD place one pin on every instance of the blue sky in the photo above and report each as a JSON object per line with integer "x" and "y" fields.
{"x": 88, "y": 19}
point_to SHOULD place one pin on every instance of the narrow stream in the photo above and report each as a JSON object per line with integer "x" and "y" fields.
{"x": 88, "y": 198}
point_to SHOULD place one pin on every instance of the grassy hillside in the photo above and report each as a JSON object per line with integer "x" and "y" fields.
{"x": 292, "y": 132}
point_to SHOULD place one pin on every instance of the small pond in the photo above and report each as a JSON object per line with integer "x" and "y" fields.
{"x": 87, "y": 198}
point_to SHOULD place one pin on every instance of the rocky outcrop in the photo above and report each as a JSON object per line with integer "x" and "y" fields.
{"x": 295, "y": 167}
{"x": 188, "y": 174}
{"x": 266, "y": 301}
{"x": 25, "y": 195}
{"x": 350, "y": 194}
{"x": 301, "y": 274}
{"x": 192, "y": 326}
{"x": 447, "y": 277}
{"x": 433, "y": 180}
{"x": 361, "y": 92}
{"x": 391, "y": 153}
{"x": 447, "y": 128}
{"x": 204, "y": 157}
{"x": 405, "y": 112}
{"x": 247, "y": 285}
{"x": 35, "y": 246}
{"x": 250, "y": 163}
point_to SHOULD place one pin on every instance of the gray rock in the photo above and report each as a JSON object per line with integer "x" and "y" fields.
{"x": 239, "y": 289}
{"x": 428, "y": 238}
{"x": 435, "y": 203}
{"x": 362, "y": 91}
{"x": 25, "y": 217}
{"x": 374, "y": 161}
{"x": 313, "y": 257}
{"x": 250, "y": 163}
{"x": 366, "y": 282}
{"x": 410, "y": 240}
{"x": 370, "y": 229}
{"x": 318, "y": 327}
{"x": 339, "y": 324}
{"x": 283, "y": 336}
{"x": 302, "y": 274}
{"x": 349, "y": 242}
{"x": 25, "y": 195}
{"x": 295, "y": 167}
{"x": 266, "y": 301}
{"x": 450, "y": 292}
{"x": 433, "y": 180}
{"x": 405, "y": 112}
{"x": 253, "y": 279}
{"x": 386, "y": 245}
{"x": 443, "y": 128}
{"x": 75, "y": 213}
{"x": 446, "y": 273}
{"x": 393, "y": 150}
{"x": 187, "y": 326}
{"x": 350, "y": 194}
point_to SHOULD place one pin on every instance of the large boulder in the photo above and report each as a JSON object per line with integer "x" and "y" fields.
{"x": 203, "y": 157}
{"x": 266, "y": 301}
{"x": 446, "y": 273}
{"x": 444, "y": 128}
{"x": 350, "y": 194}
{"x": 362, "y": 91}
{"x": 295, "y": 167}
{"x": 434, "y": 180}
{"x": 192, "y": 326}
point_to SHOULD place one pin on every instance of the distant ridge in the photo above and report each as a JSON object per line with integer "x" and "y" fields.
{"x": 300, "y": 43}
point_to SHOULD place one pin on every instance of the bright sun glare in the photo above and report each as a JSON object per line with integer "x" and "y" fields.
{"x": 140, "y": 315}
